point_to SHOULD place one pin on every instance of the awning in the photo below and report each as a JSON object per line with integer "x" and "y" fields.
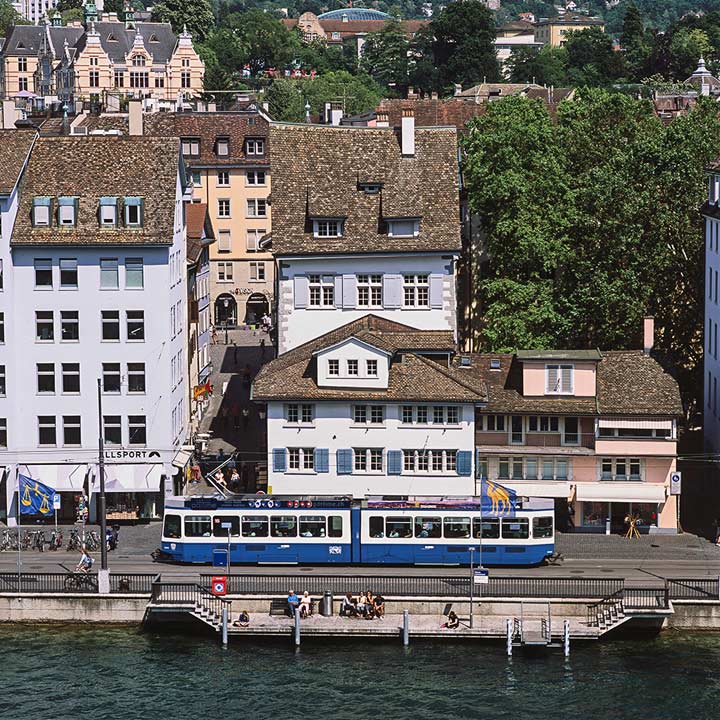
{"x": 613, "y": 491}
{"x": 63, "y": 478}
{"x": 635, "y": 423}
{"x": 547, "y": 489}
{"x": 130, "y": 478}
{"x": 182, "y": 458}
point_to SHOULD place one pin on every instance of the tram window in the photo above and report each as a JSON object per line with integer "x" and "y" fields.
{"x": 515, "y": 528}
{"x": 428, "y": 527}
{"x": 335, "y": 524}
{"x": 457, "y": 527}
{"x": 172, "y": 526}
{"x": 197, "y": 526}
{"x": 312, "y": 526}
{"x": 283, "y": 526}
{"x": 542, "y": 527}
{"x": 254, "y": 526}
{"x": 490, "y": 528}
{"x": 376, "y": 526}
{"x": 219, "y": 520}
{"x": 398, "y": 527}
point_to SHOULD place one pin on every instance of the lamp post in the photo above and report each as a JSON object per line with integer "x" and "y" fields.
{"x": 103, "y": 575}
{"x": 472, "y": 583}
{"x": 226, "y": 304}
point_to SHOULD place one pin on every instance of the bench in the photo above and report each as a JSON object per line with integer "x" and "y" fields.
{"x": 280, "y": 607}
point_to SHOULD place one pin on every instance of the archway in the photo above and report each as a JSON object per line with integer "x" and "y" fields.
{"x": 225, "y": 311}
{"x": 257, "y": 306}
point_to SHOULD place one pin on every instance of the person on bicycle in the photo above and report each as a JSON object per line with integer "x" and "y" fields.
{"x": 85, "y": 564}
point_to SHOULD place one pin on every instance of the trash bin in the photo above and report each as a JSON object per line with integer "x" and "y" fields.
{"x": 327, "y": 604}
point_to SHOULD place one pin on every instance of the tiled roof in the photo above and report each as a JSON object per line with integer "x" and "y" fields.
{"x": 25, "y": 40}
{"x": 89, "y": 168}
{"x": 428, "y": 111}
{"x": 412, "y": 376}
{"x": 503, "y": 89}
{"x": 14, "y": 148}
{"x": 550, "y": 96}
{"x": 199, "y": 228}
{"x": 111, "y": 121}
{"x": 558, "y": 355}
{"x": 316, "y": 171}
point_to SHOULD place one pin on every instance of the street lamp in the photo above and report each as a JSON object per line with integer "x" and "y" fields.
{"x": 226, "y": 303}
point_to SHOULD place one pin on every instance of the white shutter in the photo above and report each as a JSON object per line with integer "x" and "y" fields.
{"x": 552, "y": 379}
{"x": 566, "y": 379}
{"x": 349, "y": 289}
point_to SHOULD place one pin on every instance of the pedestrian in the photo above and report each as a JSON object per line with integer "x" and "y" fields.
{"x": 224, "y": 412}
{"x": 262, "y": 347}
{"x": 245, "y": 417}
{"x": 213, "y": 334}
{"x": 235, "y": 412}
{"x": 235, "y": 481}
{"x": 235, "y": 353}
{"x": 247, "y": 375}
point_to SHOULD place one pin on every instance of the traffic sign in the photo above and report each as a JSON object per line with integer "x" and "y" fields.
{"x": 56, "y": 501}
{"x": 676, "y": 483}
{"x": 481, "y": 576}
{"x": 219, "y": 585}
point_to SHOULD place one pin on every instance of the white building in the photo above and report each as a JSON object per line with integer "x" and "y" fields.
{"x": 34, "y": 10}
{"x": 711, "y": 211}
{"x": 94, "y": 258}
{"x": 375, "y": 231}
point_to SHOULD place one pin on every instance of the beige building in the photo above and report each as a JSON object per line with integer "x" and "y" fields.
{"x": 554, "y": 31}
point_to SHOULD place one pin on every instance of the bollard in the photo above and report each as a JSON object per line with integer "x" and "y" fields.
{"x": 297, "y": 627}
{"x": 566, "y": 638}
{"x": 224, "y": 625}
{"x": 406, "y": 628}
{"x": 509, "y": 633}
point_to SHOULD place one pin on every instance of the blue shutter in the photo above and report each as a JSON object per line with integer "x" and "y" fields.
{"x": 301, "y": 291}
{"x": 464, "y": 462}
{"x": 394, "y": 462}
{"x": 436, "y": 291}
{"x": 344, "y": 462}
{"x": 349, "y": 291}
{"x": 392, "y": 291}
{"x": 322, "y": 460}
{"x": 279, "y": 460}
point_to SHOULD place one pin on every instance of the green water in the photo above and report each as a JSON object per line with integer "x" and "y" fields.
{"x": 60, "y": 673}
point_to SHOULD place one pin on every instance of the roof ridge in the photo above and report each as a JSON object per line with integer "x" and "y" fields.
{"x": 449, "y": 375}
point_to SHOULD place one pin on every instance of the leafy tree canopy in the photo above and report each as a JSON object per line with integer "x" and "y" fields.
{"x": 196, "y": 15}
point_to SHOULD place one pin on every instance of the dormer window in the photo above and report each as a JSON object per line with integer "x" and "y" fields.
{"x": 67, "y": 211}
{"x": 558, "y": 379}
{"x": 404, "y": 227}
{"x": 191, "y": 147}
{"x": 222, "y": 147}
{"x": 133, "y": 212}
{"x": 111, "y": 38}
{"x": 327, "y": 227}
{"x": 153, "y": 38}
{"x": 108, "y": 212}
{"x": 254, "y": 146}
{"x": 138, "y": 61}
{"x": 370, "y": 188}
{"x": 333, "y": 368}
{"x": 41, "y": 211}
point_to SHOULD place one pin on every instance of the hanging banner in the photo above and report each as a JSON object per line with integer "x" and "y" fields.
{"x": 35, "y": 498}
{"x": 497, "y": 500}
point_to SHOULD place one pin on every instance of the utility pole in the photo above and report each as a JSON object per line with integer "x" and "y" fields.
{"x": 104, "y": 574}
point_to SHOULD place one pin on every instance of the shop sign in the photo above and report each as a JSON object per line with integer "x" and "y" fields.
{"x": 132, "y": 455}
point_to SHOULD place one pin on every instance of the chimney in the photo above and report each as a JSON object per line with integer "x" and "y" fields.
{"x": 212, "y": 107}
{"x": 407, "y": 132}
{"x": 382, "y": 120}
{"x": 458, "y": 89}
{"x": 648, "y": 334}
{"x": 411, "y": 93}
{"x": 9, "y": 115}
{"x": 135, "y": 118}
{"x": 434, "y": 95}
{"x": 336, "y": 113}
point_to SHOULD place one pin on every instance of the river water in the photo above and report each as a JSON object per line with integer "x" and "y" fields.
{"x": 64, "y": 673}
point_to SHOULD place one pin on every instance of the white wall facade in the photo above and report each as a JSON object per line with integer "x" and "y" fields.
{"x": 333, "y": 428}
{"x": 299, "y": 323}
{"x": 712, "y": 321}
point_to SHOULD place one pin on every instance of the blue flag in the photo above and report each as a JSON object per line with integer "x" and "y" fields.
{"x": 35, "y": 498}
{"x": 497, "y": 500}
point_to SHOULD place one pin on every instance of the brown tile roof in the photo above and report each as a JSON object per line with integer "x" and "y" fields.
{"x": 14, "y": 148}
{"x": 412, "y": 376}
{"x": 92, "y": 167}
{"x": 550, "y": 96}
{"x": 199, "y": 228}
{"x": 316, "y": 171}
{"x": 429, "y": 111}
{"x": 484, "y": 90}
{"x": 111, "y": 121}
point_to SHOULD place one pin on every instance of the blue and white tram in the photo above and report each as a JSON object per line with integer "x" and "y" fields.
{"x": 271, "y": 529}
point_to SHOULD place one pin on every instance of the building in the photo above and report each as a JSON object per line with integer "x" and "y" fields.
{"x": 52, "y": 63}
{"x": 34, "y": 10}
{"x": 554, "y": 31}
{"x": 92, "y": 308}
{"x": 377, "y": 231}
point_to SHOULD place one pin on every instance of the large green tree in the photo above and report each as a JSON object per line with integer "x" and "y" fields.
{"x": 386, "y": 56}
{"x": 9, "y": 16}
{"x": 545, "y": 66}
{"x": 196, "y": 15}
{"x": 591, "y": 58}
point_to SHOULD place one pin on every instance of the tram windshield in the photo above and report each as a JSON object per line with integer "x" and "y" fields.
{"x": 172, "y": 526}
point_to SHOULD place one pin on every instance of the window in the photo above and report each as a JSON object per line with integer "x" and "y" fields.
{"x": 135, "y": 325}
{"x": 257, "y": 272}
{"x": 252, "y": 239}
{"x": 559, "y": 379}
{"x": 220, "y": 520}
{"x": 137, "y": 430}
{"x": 421, "y": 415}
{"x": 224, "y": 241}
{"x": 133, "y": 273}
{"x": 407, "y": 414}
{"x": 44, "y": 331}
{"x": 191, "y": 146}
{"x": 283, "y": 526}
{"x": 197, "y": 526}
{"x": 43, "y": 273}
{"x": 542, "y": 424}
{"x": 119, "y": 78}
{"x": 223, "y": 208}
{"x": 1, "y": 275}
{"x": 46, "y": 377}
{"x": 377, "y": 414}
{"x": 359, "y": 414}
{"x": 22, "y": 64}
{"x": 196, "y": 177}
{"x": 255, "y": 177}
{"x": 403, "y": 228}
{"x": 482, "y": 467}
{"x": 3, "y": 384}
{"x": 138, "y": 79}
{"x": 71, "y": 378}
{"x": 486, "y": 528}
{"x": 110, "y": 325}
{"x": 136, "y": 377}
{"x": 571, "y": 435}
{"x": 109, "y": 273}
{"x": 430, "y": 461}
{"x": 46, "y": 430}
{"x": 113, "y": 429}
{"x": 620, "y": 469}
{"x": 371, "y": 368}
{"x": 352, "y": 367}
{"x": 223, "y": 178}
{"x": 333, "y": 367}
{"x": 516, "y": 429}
{"x": 398, "y": 527}
{"x": 254, "y": 526}
{"x": 94, "y": 76}
{"x": 108, "y": 212}
{"x": 416, "y": 291}
{"x": 111, "y": 377}
{"x": 301, "y": 458}
{"x": 495, "y": 423}
{"x": 185, "y": 83}
{"x": 312, "y": 526}
{"x": 296, "y": 413}
{"x": 456, "y": 527}
{"x": 438, "y": 415}
{"x": 428, "y": 527}
{"x": 369, "y": 290}
{"x": 368, "y": 459}
{"x": 133, "y": 212}
{"x": 225, "y": 271}
{"x": 327, "y": 228}
{"x": 515, "y": 528}
{"x": 71, "y": 430}
{"x": 138, "y": 61}
{"x": 322, "y": 290}
{"x": 69, "y": 326}
{"x": 22, "y": 84}
{"x": 452, "y": 415}
{"x": 41, "y": 211}
{"x": 542, "y": 527}
{"x": 68, "y": 273}
{"x": 256, "y": 207}
{"x": 222, "y": 145}
{"x": 3, "y": 432}
{"x": 254, "y": 147}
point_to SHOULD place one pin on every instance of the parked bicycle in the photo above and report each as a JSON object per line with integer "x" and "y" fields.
{"x": 75, "y": 541}
{"x": 56, "y": 540}
{"x": 9, "y": 541}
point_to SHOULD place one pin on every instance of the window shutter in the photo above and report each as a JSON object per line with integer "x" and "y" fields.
{"x": 464, "y": 462}
{"x": 566, "y": 379}
{"x": 436, "y": 291}
{"x": 478, "y": 455}
{"x": 279, "y": 460}
{"x": 322, "y": 460}
{"x": 344, "y": 462}
{"x": 392, "y": 291}
{"x": 301, "y": 291}
{"x": 349, "y": 291}
{"x": 394, "y": 462}
{"x": 338, "y": 291}
{"x": 552, "y": 379}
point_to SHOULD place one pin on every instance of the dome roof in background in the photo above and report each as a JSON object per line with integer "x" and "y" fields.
{"x": 355, "y": 14}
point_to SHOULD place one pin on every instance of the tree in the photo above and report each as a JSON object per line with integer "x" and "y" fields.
{"x": 385, "y": 56}
{"x": 321, "y": 57}
{"x": 545, "y": 66}
{"x": 65, "y": 5}
{"x": 591, "y": 57}
{"x": 463, "y": 46}
{"x": 196, "y": 15}
{"x": 686, "y": 47}
{"x": 9, "y": 16}
{"x": 285, "y": 101}
{"x": 634, "y": 43}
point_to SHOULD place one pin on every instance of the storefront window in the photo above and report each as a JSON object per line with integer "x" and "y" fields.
{"x": 531, "y": 468}
{"x": 647, "y": 512}
{"x": 504, "y": 468}
{"x": 594, "y": 514}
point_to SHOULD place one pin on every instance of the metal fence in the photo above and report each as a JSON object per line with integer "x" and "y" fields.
{"x": 694, "y": 588}
{"x": 135, "y": 583}
{"x": 43, "y": 583}
{"x": 35, "y": 582}
{"x": 646, "y": 598}
{"x": 186, "y": 594}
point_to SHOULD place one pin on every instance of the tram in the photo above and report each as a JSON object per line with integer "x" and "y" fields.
{"x": 323, "y": 530}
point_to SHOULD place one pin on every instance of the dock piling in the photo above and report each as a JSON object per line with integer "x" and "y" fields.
{"x": 297, "y": 627}
{"x": 509, "y": 636}
{"x": 566, "y": 638}
{"x": 224, "y": 625}
{"x": 406, "y": 628}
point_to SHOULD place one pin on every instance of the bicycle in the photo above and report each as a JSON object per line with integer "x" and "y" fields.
{"x": 74, "y": 541}
{"x": 80, "y": 581}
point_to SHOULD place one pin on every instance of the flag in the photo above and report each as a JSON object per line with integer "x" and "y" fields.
{"x": 35, "y": 498}
{"x": 497, "y": 500}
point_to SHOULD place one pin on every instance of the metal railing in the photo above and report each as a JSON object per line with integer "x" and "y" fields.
{"x": 41, "y": 583}
{"x": 189, "y": 595}
{"x": 694, "y": 588}
{"x": 606, "y": 612}
{"x": 136, "y": 583}
{"x": 646, "y": 598}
